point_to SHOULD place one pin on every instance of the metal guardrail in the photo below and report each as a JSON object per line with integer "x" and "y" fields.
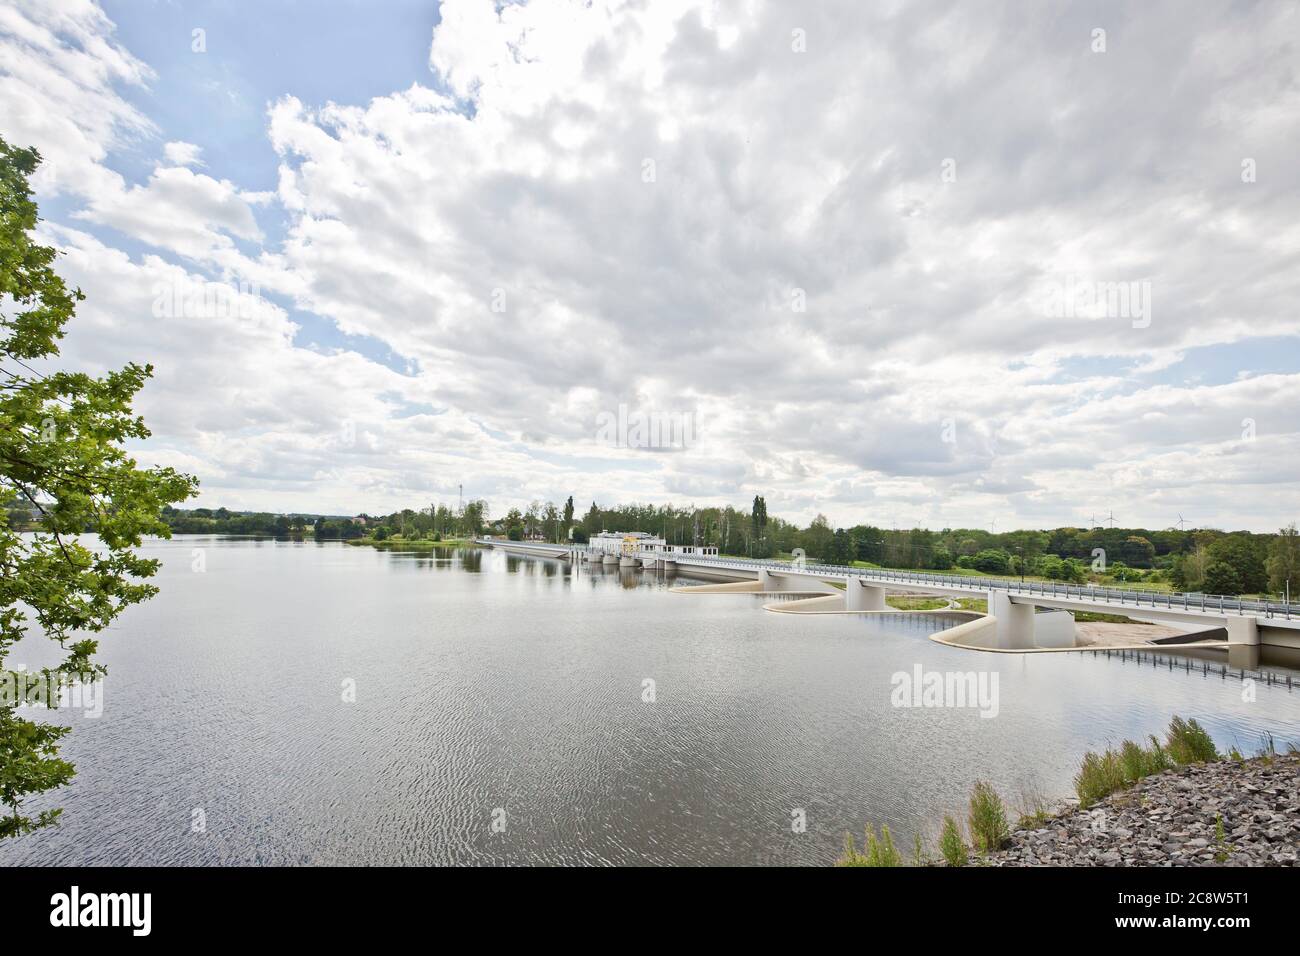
{"x": 1125, "y": 597}
{"x": 1128, "y": 597}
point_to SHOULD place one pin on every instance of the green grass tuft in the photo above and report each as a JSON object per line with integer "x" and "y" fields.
{"x": 1188, "y": 742}
{"x": 877, "y": 852}
{"x": 1102, "y": 774}
{"x": 1221, "y": 845}
{"x": 1099, "y": 776}
{"x": 951, "y": 844}
{"x": 988, "y": 819}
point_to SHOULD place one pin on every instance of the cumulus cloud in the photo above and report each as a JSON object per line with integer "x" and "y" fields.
{"x": 179, "y": 210}
{"x": 875, "y": 254}
{"x": 61, "y": 76}
{"x": 182, "y": 154}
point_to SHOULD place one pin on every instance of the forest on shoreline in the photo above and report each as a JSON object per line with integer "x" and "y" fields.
{"x": 1192, "y": 559}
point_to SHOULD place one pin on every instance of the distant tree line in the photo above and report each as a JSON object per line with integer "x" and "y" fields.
{"x": 1238, "y": 562}
{"x": 430, "y": 524}
{"x": 1217, "y": 562}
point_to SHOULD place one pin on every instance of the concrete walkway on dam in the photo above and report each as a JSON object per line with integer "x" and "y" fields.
{"x": 1022, "y": 617}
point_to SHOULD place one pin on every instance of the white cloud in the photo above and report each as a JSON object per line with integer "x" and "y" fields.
{"x": 183, "y": 154}
{"x": 595, "y": 205}
{"x": 60, "y": 72}
{"x": 179, "y": 210}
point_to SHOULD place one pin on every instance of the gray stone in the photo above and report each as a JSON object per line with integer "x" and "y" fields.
{"x": 1173, "y": 819}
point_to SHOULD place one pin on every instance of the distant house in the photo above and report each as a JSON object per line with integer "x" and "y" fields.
{"x": 619, "y": 542}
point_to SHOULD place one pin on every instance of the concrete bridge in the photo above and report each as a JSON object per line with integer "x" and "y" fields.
{"x": 1015, "y": 618}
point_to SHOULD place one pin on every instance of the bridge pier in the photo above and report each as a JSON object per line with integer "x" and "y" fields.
{"x": 860, "y": 596}
{"x": 1015, "y": 621}
{"x": 1243, "y": 630}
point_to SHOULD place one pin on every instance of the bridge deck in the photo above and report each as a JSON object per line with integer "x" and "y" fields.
{"x": 1126, "y": 600}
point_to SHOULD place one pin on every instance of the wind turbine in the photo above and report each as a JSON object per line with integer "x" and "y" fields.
{"x": 1181, "y": 521}
{"x": 1110, "y": 518}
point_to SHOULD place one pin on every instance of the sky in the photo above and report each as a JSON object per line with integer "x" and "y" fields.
{"x": 938, "y": 264}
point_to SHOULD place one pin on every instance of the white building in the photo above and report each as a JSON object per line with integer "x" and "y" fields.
{"x": 617, "y": 543}
{"x": 626, "y": 548}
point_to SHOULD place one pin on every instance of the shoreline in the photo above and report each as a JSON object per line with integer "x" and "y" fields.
{"x": 1228, "y": 812}
{"x": 415, "y": 545}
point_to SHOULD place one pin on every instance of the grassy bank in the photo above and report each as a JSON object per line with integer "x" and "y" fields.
{"x": 901, "y": 603}
{"x": 1083, "y": 617}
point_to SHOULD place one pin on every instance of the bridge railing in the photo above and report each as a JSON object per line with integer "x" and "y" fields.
{"x": 1135, "y": 597}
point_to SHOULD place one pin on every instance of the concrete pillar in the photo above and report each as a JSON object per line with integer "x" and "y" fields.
{"x": 766, "y": 582}
{"x": 1243, "y": 630}
{"x": 860, "y": 596}
{"x": 1015, "y": 621}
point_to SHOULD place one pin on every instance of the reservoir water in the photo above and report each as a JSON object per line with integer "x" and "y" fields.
{"x": 512, "y": 691}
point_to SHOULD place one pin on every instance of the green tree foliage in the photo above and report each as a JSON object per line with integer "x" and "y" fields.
{"x": 941, "y": 560}
{"x": 760, "y": 546}
{"x": 1054, "y": 568}
{"x": 841, "y": 550}
{"x": 61, "y": 436}
{"x": 514, "y": 525}
{"x": 1133, "y": 555}
{"x": 1222, "y": 578}
{"x": 1245, "y": 554}
{"x": 992, "y": 561}
{"x": 869, "y": 543}
{"x": 427, "y": 524}
{"x": 1283, "y": 562}
{"x": 223, "y": 521}
{"x": 817, "y": 539}
{"x": 343, "y": 529}
{"x": 1187, "y": 572}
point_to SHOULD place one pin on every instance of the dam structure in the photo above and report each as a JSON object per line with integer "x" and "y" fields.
{"x": 1022, "y": 615}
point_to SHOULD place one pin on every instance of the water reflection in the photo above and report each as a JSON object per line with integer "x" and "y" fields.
{"x": 485, "y": 681}
{"x": 438, "y": 557}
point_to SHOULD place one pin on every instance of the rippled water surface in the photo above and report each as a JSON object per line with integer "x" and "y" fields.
{"x": 485, "y": 681}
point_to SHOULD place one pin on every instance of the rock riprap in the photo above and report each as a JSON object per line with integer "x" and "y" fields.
{"x": 1226, "y": 813}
